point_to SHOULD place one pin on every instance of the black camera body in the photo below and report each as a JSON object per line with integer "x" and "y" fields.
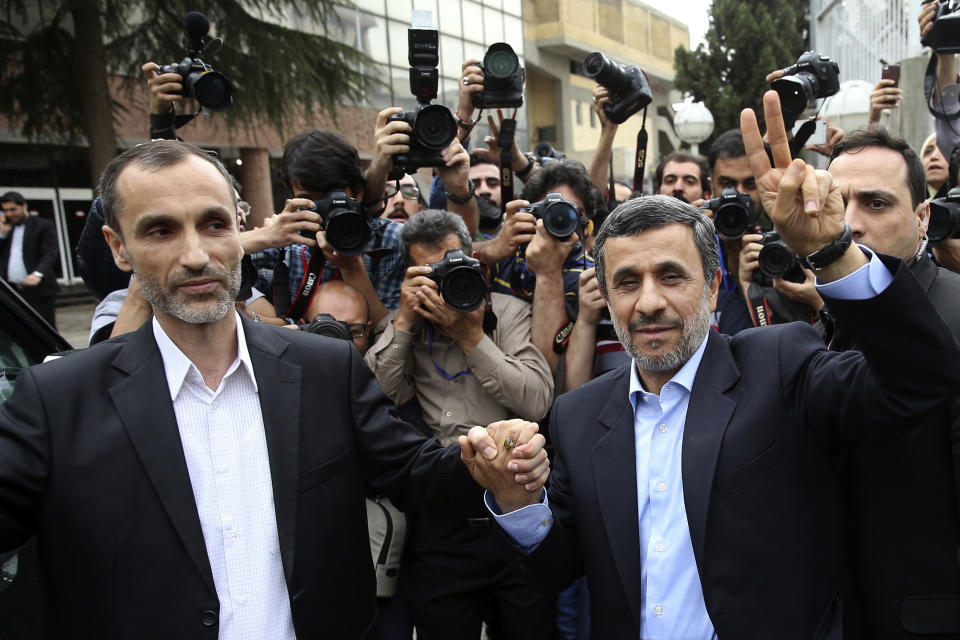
{"x": 813, "y": 76}
{"x": 326, "y": 325}
{"x": 627, "y": 85}
{"x": 777, "y": 260}
{"x": 344, "y": 222}
{"x": 732, "y": 213}
{"x": 434, "y": 128}
{"x": 502, "y": 79}
{"x": 546, "y": 153}
{"x": 460, "y": 280}
{"x": 944, "y": 217}
{"x": 944, "y": 36}
{"x": 561, "y": 218}
{"x": 211, "y": 88}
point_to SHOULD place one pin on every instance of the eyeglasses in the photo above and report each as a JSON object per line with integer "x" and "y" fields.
{"x": 357, "y": 329}
{"x": 408, "y": 191}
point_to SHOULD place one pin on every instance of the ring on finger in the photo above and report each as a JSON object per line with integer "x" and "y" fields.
{"x": 466, "y": 80}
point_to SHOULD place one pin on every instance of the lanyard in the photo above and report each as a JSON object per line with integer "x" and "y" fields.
{"x": 443, "y": 373}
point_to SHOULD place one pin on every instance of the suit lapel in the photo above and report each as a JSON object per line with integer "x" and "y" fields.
{"x": 143, "y": 404}
{"x": 279, "y": 384}
{"x": 614, "y": 461}
{"x": 708, "y": 414}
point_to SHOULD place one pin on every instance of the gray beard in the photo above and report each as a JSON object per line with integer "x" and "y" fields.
{"x": 165, "y": 298}
{"x": 694, "y": 332}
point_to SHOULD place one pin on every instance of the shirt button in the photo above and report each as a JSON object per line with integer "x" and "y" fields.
{"x": 661, "y": 487}
{"x": 658, "y": 610}
{"x": 448, "y": 414}
{"x": 663, "y": 428}
{"x": 235, "y": 533}
{"x": 660, "y": 547}
{"x": 451, "y": 381}
{"x": 242, "y": 600}
{"x": 213, "y": 405}
{"x": 395, "y": 346}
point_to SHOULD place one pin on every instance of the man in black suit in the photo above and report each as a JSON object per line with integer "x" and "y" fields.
{"x": 905, "y": 488}
{"x": 203, "y": 477}
{"x": 710, "y": 450}
{"x": 29, "y": 254}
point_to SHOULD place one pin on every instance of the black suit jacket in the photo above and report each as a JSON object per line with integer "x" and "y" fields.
{"x": 40, "y": 252}
{"x": 91, "y": 461}
{"x": 759, "y": 491}
{"x": 901, "y": 513}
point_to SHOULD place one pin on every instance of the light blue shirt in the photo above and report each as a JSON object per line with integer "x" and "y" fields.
{"x": 673, "y": 605}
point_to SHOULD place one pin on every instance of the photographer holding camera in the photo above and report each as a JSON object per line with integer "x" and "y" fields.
{"x": 938, "y": 31}
{"x": 439, "y": 349}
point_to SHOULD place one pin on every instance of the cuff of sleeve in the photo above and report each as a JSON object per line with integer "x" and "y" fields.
{"x": 866, "y": 282}
{"x": 527, "y": 526}
{"x": 485, "y": 358}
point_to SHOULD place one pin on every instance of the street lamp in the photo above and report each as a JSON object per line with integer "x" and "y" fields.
{"x": 693, "y": 123}
{"x": 849, "y": 109}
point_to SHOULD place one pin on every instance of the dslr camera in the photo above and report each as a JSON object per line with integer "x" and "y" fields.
{"x": 944, "y": 217}
{"x": 434, "y": 127}
{"x": 326, "y": 325}
{"x": 627, "y": 85}
{"x": 777, "y": 260}
{"x": 561, "y": 218}
{"x": 546, "y": 153}
{"x": 813, "y": 76}
{"x": 460, "y": 280}
{"x": 211, "y": 88}
{"x": 344, "y": 222}
{"x": 732, "y": 213}
{"x": 944, "y": 36}
{"x": 502, "y": 79}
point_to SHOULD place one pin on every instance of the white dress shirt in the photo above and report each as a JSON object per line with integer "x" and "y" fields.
{"x": 226, "y": 452}
{"x": 16, "y": 269}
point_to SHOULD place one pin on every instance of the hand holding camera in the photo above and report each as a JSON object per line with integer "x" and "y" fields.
{"x": 546, "y": 253}
{"x": 940, "y": 25}
{"x": 471, "y": 81}
{"x": 296, "y": 223}
{"x": 391, "y": 137}
{"x": 591, "y": 300}
{"x": 519, "y": 227}
{"x": 165, "y": 88}
{"x": 199, "y": 80}
{"x": 627, "y": 86}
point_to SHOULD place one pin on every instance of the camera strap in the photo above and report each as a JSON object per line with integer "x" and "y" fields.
{"x": 640, "y": 159}
{"x": 759, "y": 309}
{"x": 308, "y": 286}
{"x": 508, "y": 132}
{"x": 489, "y": 318}
{"x": 611, "y": 187}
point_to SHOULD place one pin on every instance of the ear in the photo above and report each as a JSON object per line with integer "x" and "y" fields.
{"x": 715, "y": 290}
{"x": 923, "y": 217}
{"x": 115, "y": 242}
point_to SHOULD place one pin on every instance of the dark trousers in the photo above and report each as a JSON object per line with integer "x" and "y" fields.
{"x": 460, "y": 573}
{"x": 44, "y": 304}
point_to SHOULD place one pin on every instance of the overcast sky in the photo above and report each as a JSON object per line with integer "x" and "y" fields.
{"x": 692, "y": 12}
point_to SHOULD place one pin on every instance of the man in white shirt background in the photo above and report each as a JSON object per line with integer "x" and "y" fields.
{"x": 29, "y": 254}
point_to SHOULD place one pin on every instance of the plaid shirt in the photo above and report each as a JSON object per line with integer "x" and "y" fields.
{"x": 386, "y": 269}
{"x": 511, "y": 276}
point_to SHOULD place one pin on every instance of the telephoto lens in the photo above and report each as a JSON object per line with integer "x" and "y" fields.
{"x": 460, "y": 281}
{"x": 561, "y": 218}
{"x": 626, "y": 84}
{"x": 813, "y": 76}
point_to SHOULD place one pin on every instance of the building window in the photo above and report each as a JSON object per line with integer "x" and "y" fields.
{"x": 579, "y": 113}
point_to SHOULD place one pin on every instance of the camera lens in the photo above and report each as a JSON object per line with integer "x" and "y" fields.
{"x": 795, "y": 92}
{"x": 731, "y": 220}
{"x": 463, "y": 289}
{"x": 501, "y": 63}
{"x": 212, "y": 89}
{"x": 593, "y": 65}
{"x": 347, "y": 231}
{"x": 326, "y": 325}
{"x": 776, "y": 259}
{"x": 944, "y": 220}
{"x": 560, "y": 220}
{"x": 435, "y": 127}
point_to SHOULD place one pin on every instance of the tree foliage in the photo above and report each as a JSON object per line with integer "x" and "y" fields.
{"x": 746, "y": 40}
{"x": 278, "y": 72}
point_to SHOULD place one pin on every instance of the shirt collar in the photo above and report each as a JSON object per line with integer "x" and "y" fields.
{"x": 683, "y": 378}
{"x": 177, "y": 365}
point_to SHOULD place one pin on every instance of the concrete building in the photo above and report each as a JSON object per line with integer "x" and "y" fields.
{"x": 559, "y": 34}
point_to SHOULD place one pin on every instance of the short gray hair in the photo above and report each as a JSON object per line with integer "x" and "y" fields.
{"x": 652, "y": 212}
{"x": 430, "y": 228}
{"x": 152, "y": 156}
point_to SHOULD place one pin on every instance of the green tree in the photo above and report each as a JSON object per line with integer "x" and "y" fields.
{"x": 746, "y": 40}
{"x": 57, "y": 58}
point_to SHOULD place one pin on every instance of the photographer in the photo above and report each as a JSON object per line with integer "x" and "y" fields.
{"x": 684, "y": 176}
{"x": 600, "y": 167}
{"x": 946, "y": 95}
{"x": 404, "y": 199}
{"x": 540, "y": 268}
{"x": 461, "y": 375}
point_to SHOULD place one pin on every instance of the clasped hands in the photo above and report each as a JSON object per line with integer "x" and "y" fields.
{"x": 507, "y": 459}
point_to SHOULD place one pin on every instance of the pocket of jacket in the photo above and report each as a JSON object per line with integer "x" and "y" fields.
{"x": 749, "y": 473}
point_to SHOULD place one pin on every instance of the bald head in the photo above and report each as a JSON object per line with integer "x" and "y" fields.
{"x": 345, "y": 303}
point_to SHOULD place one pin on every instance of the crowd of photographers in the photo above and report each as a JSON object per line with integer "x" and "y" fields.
{"x": 473, "y": 297}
